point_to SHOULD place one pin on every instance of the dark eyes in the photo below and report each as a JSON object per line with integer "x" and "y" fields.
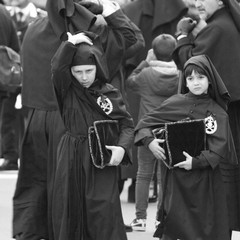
{"x": 198, "y": 77}
{"x": 87, "y": 71}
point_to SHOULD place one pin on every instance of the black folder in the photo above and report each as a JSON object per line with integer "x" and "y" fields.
{"x": 185, "y": 135}
{"x": 102, "y": 133}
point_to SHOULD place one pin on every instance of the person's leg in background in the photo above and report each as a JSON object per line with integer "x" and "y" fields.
{"x": 32, "y": 200}
{"x": 146, "y": 168}
{"x": 153, "y": 192}
{"x": 9, "y": 138}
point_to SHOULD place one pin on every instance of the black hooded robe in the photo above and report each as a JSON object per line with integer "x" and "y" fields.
{"x": 195, "y": 201}
{"x": 87, "y": 203}
{"x": 32, "y": 201}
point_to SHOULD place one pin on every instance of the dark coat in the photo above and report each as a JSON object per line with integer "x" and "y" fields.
{"x": 8, "y": 31}
{"x": 8, "y": 36}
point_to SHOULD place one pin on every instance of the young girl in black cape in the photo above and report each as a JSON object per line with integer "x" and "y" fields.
{"x": 195, "y": 200}
{"x": 86, "y": 197}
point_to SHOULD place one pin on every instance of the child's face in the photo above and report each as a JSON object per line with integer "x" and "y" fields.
{"x": 197, "y": 83}
{"x": 85, "y": 74}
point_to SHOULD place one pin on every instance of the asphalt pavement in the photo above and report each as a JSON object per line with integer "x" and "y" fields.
{"x": 7, "y": 186}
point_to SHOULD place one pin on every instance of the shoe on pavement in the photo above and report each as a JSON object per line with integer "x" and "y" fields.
{"x": 153, "y": 199}
{"x": 128, "y": 228}
{"x": 139, "y": 224}
{"x": 156, "y": 223}
{"x": 7, "y": 165}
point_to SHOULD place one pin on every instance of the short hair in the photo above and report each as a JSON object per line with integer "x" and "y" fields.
{"x": 163, "y": 47}
{"x": 191, "y": 67}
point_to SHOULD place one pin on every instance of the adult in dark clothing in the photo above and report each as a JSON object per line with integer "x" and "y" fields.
{"x": 223, "y": 20}
{"x": 13, "y": 114}
{"x": 33, "y": 195}
{"x": 195, "y": 203}
{"x": 9, "y": 146}
{"x": 153, "y": 18}
{"x": 23, "y": 13}
{"x": 85, "y": 195}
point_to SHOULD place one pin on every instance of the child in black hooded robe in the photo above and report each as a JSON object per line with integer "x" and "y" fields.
{"x": 86, "y": 198}
{"x": 195, "y": 199}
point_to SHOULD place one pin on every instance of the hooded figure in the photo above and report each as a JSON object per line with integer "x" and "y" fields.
{"x": 195, "y": 204}
{"x": 84, "y": 194}
{"x": 213, "y": 40}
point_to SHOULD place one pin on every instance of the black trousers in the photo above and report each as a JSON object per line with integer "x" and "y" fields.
{"x": 11, "y": 128}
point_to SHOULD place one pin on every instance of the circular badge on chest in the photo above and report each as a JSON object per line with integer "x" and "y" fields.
{"x": 106, "y": 104}
{"x": 211, "y": 125}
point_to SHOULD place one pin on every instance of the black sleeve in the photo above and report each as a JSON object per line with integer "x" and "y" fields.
{"x": 61, "y": 74}
{"x": 8, "y": 31}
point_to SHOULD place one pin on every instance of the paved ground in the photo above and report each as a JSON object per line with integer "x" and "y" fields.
{"x": 7, "y": 186}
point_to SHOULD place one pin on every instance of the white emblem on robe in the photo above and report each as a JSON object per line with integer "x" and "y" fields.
{"x": 211, "y": 125}
{"x": 105, "y": 105}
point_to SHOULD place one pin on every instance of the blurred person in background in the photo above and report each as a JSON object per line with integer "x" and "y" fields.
{"x": 154, "y": 80}
{"x": 9, "y": 141}
{"x": 23, "y": 12}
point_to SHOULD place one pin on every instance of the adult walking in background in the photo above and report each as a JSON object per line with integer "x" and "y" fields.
{"x": 9, "y": 143}
{"x": 14, "y": 115}
{"x": 219, "y": 39}
{"x": 33, "y": 195}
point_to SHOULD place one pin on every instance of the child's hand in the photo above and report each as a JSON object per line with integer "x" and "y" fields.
{"x": 156, "y": 149}
{"x": 79, "y": 38}
{"x": 117, "y": 155}
{"x": 187, "y": 165}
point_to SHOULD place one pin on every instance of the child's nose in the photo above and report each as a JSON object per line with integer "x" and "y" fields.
{"x": 84, "y": 76}
{"x": 195, "y": 81}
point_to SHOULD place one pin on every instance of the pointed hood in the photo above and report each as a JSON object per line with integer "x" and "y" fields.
{"x": 92, "y": 54}
{"x": 217, "y": 89}
{"x": 67, "y": 15}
